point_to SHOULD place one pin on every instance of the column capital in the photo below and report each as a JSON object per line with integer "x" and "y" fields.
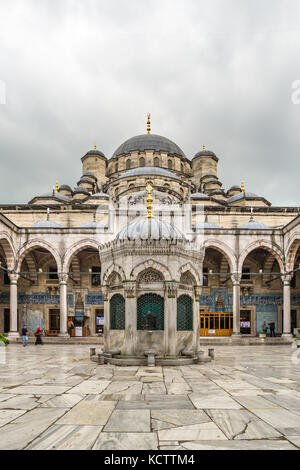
{"x": 236, "y": 278}
{"x": 63, "y": 278}
{"x": 130, "y": 289}
{"x": 286, "y": 278}
{"x": 171, "y": 288}
{"x": 105, "y": 291}
{"x": 197, "y": 291}
{"x": 14, "y": 277}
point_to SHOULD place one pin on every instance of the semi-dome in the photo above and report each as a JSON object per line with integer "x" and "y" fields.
{"x": 46, "y": 224}
{"x": 81, "y": 190}
{"x": 144, "y": 142}
{"x": 199, "y": 196}
{"x": 65, "y": 187}
{"x": 150, "y": 229}
{"x": 55, "y": 195}
{"x": 149, "y": 171}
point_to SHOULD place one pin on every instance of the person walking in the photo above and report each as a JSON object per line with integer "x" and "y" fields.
{"x": 24, "y": 336}
{"x": 272, "y": 328}
{"x": 38, "y": 336}
{"x": 70, "y": 327}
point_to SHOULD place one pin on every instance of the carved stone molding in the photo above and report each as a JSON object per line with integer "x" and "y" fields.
{"x": 130, "y": 289}
{"x": 171, "y": 288}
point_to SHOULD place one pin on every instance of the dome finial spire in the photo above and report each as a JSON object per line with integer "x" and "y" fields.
{"x": 243, "y": 187}
{"x": 204, "y": 147}
{"x": 95, "y": 146}
{"x": 149, "y": 201}
{"x": 148, "y": 123}
{"x": 56, "y": 186}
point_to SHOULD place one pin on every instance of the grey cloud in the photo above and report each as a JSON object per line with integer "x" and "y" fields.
{"x": 218, "y": 72}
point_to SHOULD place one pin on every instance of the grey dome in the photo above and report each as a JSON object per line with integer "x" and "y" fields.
{"x": 150, "y": 229}
{"x": 86, "y": 179}
{"x": 94, "y": 152}
{"x": 92, "y": 224}
{"x": 253, "y": 225}
{"x": 99, "y": 195}
{"x": 148, "y": 142}
{"x": 199, "y": 196}
{"x": 206, "y": 153}
{"x": 242, "y": 195}
{"x": 81, "y": 190}
{"x": 46, "y": 224}
{"x": 149, "y": 171}
{"x": 61, "y": 197}
{"x": 206, "y": 225}
{"x": 65, "y": 187}
{"x": 89, "y": 174}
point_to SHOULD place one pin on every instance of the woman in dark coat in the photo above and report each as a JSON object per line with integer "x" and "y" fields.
{"x": 38, "y": 336}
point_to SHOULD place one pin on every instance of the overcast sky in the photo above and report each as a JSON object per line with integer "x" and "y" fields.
{"x": 218, "y": 72}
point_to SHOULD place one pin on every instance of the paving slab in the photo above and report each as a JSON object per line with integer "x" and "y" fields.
{"x": 129, "y": 421}
{"x": 94, "y": 413}
{"x": 126, "y": 441}
{"x": 66, "y": 437}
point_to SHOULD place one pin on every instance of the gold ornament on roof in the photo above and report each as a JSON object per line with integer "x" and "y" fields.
{"x": 148, "y": 124}
{"x": 204, "y": 147}
{"x": 56, "y": 186}
{"x": 149, "y": 201}
{"x": 243, "y": 186}
{"x": 95, "y": 147}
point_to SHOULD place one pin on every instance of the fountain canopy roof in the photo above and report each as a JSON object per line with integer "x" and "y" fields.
{"x": 150, "y": 229}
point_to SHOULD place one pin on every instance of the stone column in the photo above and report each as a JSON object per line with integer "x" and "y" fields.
{"x": 196, "y": 316}
{"x": 63, "y": 281}
{"x": 130, "y": 318}
{"x": 171, "y": 312}
{"x": 13, "y": 327}
{"x": 236, "y": 303}
{"x": 106, "y": 319}
{"x": 286, "y": 306}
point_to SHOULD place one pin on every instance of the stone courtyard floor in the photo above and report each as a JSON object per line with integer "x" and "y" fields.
{"x": 54, "y": 397}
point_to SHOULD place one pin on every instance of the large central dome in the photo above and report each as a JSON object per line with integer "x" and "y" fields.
{"x": 148, "y": 142}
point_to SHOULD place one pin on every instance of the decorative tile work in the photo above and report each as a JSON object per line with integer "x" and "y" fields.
{"x": 94, "y": 298}
{"x": 36, "y": 298}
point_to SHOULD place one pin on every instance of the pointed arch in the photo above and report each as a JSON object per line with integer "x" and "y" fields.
{"x": 75, "y": 249}
{"x": 114, "y": 268}
{"x": 224, "y": 250}
{"x": 190, "y": 269}
{"x": 35, "y": 244}
{"x": 265, "y": 245}
{"x": 151, "y": 264}
{"x": 8, "y": 249}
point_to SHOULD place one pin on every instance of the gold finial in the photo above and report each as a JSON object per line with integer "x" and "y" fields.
{"x": 204, "y": 147}
{"x": 148, "y": 124}
{"x": 95, "y": 146}
{"x": 243, "y": 186}
{"x": 56, "y": 186}
{"x": 149, "y": 201}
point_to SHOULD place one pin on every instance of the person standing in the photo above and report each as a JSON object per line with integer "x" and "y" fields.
{"x": 24, "y": 336}
{"x": 272, "y": 328}
{"x": 38, "y": 336}
{"x": 70, "y": 327}
{"x": 265, "y": 328}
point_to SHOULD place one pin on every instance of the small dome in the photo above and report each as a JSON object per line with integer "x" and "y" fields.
{"x": 242, "y": 195}
{"x": 81, "y": 190}
{"x": 200, "y": 196}
{"x": 206, "y": 153}
{"x": 94, "y": 152}
{"x": 92, "y": 224}
{"x": 150, "y": 229}
{"x": 65, "y": 187}
{"x": 206, "y": 225}
{"x": 99, "y": 196}
{"x": 253, "y": 225}
{"x": 89, "y": 174}
{"x": 86, "y": 179}
{"x": 46, "y": 224}
{"x": 144, "y": 142}
{"x": 149, "y": 171}
{"x": 54, "y": 195}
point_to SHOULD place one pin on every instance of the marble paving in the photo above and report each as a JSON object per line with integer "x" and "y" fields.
{"x": 54, "y": 397}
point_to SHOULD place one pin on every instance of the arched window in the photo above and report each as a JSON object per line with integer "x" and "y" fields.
{"x": 142, "y": 161}
{"x": 117, "y": 312}
{"x": 182, "y": 167}
{"x": 116, "y": 167}
{"x": 170, "y": 164}
{"x": 128, "y": 164}
{"x": 184, "y": 313}
{"x": 156, "y": 161}
{"x": 150, "y": 312}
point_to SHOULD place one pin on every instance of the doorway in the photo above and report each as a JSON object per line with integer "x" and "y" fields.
{"x": 6, "y": 320}
{"x": 245, "y": 322}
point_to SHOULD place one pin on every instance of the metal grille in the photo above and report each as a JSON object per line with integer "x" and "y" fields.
{"x": 184, "y": 313}
{"x": 150, "y": 312}
{"x": 117, "y": 312}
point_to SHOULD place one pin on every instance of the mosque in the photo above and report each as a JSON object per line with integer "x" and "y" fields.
{"x": 149, "y": 240}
